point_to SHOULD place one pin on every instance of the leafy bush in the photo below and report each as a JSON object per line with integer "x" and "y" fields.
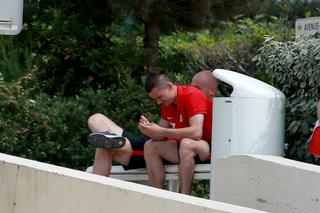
{"x": 14, "y": 61}
{"x": 46, "y": 129}
{"x": 231, "y": 46}
{"x": 71, "y": 51}
{"x": 294, "y": 67}
{"x": 293, "y": 9}
{"x": 54, "y": 129}
{"x": 201, "y": 188}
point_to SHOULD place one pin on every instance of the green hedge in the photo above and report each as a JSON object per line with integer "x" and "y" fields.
{"x": 69, "y": 52}
{"x": 230, "y": 46}
{"x": 54, "y": 129}
{"x": 294, "y": 68}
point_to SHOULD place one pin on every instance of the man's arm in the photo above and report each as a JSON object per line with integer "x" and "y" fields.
{"x": 194, "y": 131}
{"x": 161, "y": 131}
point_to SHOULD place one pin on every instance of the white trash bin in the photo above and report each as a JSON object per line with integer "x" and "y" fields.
{"x": 11, "y": 14}
{"x": 250, "y": 121}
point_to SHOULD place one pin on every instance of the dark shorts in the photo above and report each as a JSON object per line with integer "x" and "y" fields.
{"x": 137, "y": 143}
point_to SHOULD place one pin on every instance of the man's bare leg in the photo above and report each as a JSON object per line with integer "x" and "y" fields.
{"x": 154, "y": 153}
{"x": 187, "y": 151}
{"x": 103, "y": 157}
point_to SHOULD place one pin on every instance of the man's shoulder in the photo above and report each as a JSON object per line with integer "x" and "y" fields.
{"x": 193, "y": 93}
{"x": 187, "y": 89}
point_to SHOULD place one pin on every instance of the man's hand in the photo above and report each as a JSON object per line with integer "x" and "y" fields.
{"x": 143, "y": 120}
{"x": 151, "y": 130}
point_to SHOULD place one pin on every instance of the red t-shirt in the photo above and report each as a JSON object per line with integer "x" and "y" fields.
{"x": 190, "y": 102}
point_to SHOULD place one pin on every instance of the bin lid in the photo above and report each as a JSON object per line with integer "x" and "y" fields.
{"x": 246, "y": 86}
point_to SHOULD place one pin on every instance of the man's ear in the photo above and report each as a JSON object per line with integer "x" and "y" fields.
{"x": 213, "y": 92}
{"x": 170, "y": 85}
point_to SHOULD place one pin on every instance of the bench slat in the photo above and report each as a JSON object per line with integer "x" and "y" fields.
{"x": 202, "y": 172}
{"x": 200, "y": 168}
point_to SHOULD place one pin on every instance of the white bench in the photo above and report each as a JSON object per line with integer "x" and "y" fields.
{"x": 202, "y": 172}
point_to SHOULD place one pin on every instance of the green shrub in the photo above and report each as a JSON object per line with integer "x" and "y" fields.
{"x": 294, "y": 68}
{"x": 54, "y": 129}
{"x": 231, "y": 46}
{"x": 201, "y": 188}
{"x": 46, "y": 129}
{"x": 72, "y": 52}
{"x": 14, "y": 61}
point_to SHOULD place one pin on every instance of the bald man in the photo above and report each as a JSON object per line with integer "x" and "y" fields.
{"x": 205, "y": 82}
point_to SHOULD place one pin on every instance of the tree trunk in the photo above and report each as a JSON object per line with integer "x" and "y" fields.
{"x": 199, "y": 10}
{"x": 150, "y": 15}
{"x": 151, "y": 45}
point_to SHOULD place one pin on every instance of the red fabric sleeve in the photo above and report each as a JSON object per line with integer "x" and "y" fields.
{"x": 196, "y": 102}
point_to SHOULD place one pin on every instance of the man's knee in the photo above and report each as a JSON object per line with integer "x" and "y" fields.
{"x": 186, "y": 148}
{"x": 149, "y": 148}
{"x": 152, "y": 149}
{"x": 94, "y": 119}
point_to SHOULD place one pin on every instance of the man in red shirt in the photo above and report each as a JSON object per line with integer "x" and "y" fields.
{"x": 128, "y": 152}
{"x": 314, "y": 146}
{"x": 183, "y": 132}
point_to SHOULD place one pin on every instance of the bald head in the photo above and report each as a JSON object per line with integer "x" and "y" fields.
{"x": 206, "y": 82}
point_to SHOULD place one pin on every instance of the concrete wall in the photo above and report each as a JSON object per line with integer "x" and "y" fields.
{"x": 31, "y": 187}
{"x": 268, "y": 183}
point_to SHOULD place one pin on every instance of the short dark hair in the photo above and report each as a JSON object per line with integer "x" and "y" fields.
{"x": 156, "y": 80}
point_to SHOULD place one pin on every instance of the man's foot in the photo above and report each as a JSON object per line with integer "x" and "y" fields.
{"x": 106, "y": 140}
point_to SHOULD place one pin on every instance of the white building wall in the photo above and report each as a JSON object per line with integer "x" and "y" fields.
{"x": 31, "y": 187}
{"x": 268, "y": 183}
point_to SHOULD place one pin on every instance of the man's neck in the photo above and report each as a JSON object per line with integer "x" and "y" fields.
{"x": 175, "y": 90}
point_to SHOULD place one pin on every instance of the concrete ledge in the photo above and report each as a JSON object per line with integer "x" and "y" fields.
{"x": 268, "y": 183}
{"x": 28, "y": 186}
